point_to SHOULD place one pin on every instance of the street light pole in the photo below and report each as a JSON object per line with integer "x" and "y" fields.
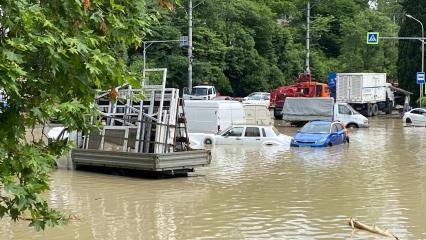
{"x": 423, "y": 53}
{"x": 308, "y": 22}
{"x": 190, "y": 45}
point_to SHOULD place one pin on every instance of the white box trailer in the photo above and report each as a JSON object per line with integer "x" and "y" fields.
{"x": 366, "y": 92}
{"x": 257, "y": 114}
{"x": 204, "y": 116}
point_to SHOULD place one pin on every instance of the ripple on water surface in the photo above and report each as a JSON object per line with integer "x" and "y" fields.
{"x": 254, "y": 192}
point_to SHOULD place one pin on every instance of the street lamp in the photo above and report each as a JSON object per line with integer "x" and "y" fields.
{"x": 423, "y": 52}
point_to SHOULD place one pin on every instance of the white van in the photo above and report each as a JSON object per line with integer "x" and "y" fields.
{"x": 257, "y": 114}
{"x": 212, "y": 116}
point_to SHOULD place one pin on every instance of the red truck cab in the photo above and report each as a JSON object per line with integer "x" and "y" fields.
{"x": 300, "y": 89}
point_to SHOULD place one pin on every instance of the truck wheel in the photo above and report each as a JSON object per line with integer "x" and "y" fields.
{"x": 278, "y": 116}
{"x": 389, "y": 107}
{"x": 375, "y": 110}
{"x": 369, "y": 110}
{"x": 352, "y": 125}
{"x": 208, "y": 141}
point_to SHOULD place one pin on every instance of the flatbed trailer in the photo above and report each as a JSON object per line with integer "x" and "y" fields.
{"x": 165, "y": 162}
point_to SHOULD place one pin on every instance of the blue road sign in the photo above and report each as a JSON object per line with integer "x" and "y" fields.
{"x": 372, "y": 38}
{"x": 420, "y": 78}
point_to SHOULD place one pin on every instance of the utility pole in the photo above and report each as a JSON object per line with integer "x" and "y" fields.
{"x": 308, "y": 22}
{"x": 190, "y": 45}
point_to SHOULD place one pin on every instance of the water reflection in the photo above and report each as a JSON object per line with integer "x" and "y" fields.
{"x": 253, "y": 192}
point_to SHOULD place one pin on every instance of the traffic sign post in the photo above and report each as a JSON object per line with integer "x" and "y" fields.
{"x": 373, "y": 38}
{"x": 420, "y": 78}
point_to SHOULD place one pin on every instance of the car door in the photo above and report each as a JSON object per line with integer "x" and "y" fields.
{"x": 252, "y": 135}
{"x": 334, "y": 134}
{"x": 341, "y": 133}
{"x": 422, "y": 117}
{"x": 416, "y": 117}
{"x": 344, "y": 114}
{"x": 231, "y": 136}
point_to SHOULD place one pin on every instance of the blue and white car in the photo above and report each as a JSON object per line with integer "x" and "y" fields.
{"x": 320, "y": 134}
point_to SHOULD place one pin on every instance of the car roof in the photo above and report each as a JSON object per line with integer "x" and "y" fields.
{"x": 324, "y": 122}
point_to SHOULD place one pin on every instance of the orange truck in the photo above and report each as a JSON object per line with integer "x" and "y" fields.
{"x": 299, "y": 89}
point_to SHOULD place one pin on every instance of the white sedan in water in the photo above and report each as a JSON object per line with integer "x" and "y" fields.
{"x": 242, "y": 134}
{"x": 415, "y": 117}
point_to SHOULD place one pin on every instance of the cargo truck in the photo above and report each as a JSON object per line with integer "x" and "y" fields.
{"x": 368, "y": 93}
{"x": 299, "y": 111}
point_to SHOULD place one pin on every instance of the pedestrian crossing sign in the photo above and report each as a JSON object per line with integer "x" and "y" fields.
{"x": 372, "y": 38}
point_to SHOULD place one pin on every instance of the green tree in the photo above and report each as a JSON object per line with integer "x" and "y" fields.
{"x": 409, "y": 61}
{"x": 54, "y": 53}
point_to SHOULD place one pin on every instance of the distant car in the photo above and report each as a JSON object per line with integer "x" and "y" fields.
{"x": 242, "y": 134}
{"x": 415, "y": 117}
{"x": 320, "y": 134}
{"x": 257, "y": 98}
{"x": 221, "y": 98}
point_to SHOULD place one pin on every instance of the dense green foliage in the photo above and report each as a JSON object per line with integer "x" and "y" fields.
{"x": 410, "y": 50}
{"x": 54, "y": 53}
{"x": 250, "y": 45}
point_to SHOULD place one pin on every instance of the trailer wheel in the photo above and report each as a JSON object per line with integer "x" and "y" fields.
{"x": 375, "y": 110}
{"x": 389, "y": 107}
{"x": 208, "y": 141}
{"x": 278, "y": 116}
{"x": 369, "y": 110}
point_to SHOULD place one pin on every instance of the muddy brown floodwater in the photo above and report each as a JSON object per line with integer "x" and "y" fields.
{"x": 256, "y": 193}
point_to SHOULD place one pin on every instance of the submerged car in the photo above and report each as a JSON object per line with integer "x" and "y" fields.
{"x": 415, "y": 117}
{"x": 320, "y": 134}
{"x": 242, "y": 134}
{"x": 257, "y": 98}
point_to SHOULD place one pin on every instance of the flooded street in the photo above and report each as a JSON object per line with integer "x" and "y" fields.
{"x": 253, "y": 192}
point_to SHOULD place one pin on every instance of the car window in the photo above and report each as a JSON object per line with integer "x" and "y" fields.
{"x": 344, "y": 110}
{"x": 311, "y": 127}
{"x": 210, "y": 91}
{"x": 263, "y": 132}
{"x": 252, "y": 132}
{"x": 418, "y": 111}
{"x": 265, "y": 97}
{"x": 255, "y": 97}
{"x": 339, "y": 127}
{"x": 234, "y": 132}
{"x": 334, "y": 128}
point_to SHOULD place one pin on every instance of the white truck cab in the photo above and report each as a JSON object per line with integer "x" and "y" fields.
{"x": 202, "y": 92}
{"x": 348, "y": 116}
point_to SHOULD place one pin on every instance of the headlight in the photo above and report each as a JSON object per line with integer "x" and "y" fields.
{"x": 366, "y": 121}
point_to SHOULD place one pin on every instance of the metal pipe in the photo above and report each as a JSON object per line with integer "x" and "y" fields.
{"x": 423, "y": 53}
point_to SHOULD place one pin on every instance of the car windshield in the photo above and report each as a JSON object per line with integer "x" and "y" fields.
{"x": 317, "y": 127}
{"x": 276, "y": 131}
{"x": 255, "y": 97}
{"x": 353, "y": 110}
{"x": 199, "y": 91}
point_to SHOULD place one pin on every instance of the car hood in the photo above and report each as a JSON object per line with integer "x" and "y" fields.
{"x": 309, "y": 137}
